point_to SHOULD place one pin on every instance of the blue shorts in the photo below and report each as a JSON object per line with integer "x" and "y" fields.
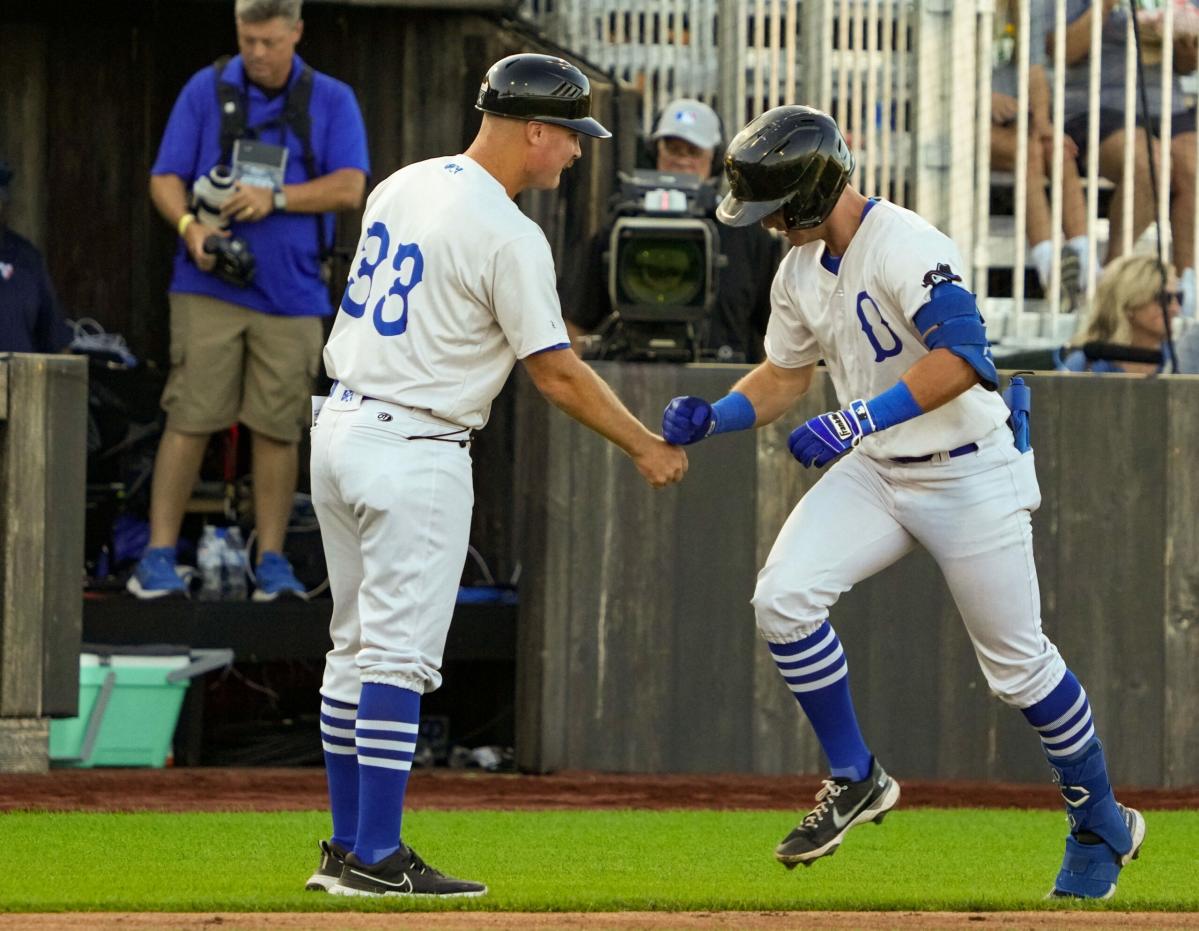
{"x": 1112, "y": 121}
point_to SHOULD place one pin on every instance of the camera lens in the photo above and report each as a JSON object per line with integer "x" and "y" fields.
{"x": 662, "y": 271}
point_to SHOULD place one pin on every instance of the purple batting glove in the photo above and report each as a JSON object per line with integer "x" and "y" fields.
{"x": 822, "y": 439}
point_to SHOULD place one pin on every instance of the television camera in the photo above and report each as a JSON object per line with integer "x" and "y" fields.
{"x": 662, "y": 266}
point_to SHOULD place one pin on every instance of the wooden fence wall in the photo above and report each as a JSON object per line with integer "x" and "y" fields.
{"x": 638, "y": 650}
{"x": 43, "y": 442}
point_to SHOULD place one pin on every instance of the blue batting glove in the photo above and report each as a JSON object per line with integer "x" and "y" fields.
{"x": 687, "y": 420}
{"x": 822, "y": 439}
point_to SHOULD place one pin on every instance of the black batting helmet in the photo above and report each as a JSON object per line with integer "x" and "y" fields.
{"x": 791, "y": 157}
{"x": 542, "y": 88}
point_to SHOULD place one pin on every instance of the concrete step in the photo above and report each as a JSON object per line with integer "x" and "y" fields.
{"x": 1036, "y": 327}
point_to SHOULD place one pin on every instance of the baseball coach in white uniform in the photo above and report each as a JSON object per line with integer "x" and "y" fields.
{"x": 452, "y": 284}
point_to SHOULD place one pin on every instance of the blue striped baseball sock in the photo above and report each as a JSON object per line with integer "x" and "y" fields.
{"x": 1063, "y": 720}
{"x": 388, "y": 720}
{"x": 341, "y": 768}
{"x": 814, "y": 668}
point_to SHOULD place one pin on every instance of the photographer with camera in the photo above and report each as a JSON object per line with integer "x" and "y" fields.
{"x": 258, "y": 152}
{"x": 686, "y": 151}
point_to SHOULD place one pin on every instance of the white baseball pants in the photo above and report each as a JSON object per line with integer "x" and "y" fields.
{"x": 973, "y": 515}
{"x": 395, "y": 523}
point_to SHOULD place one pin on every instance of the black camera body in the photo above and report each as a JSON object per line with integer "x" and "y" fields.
{"x": 234, "y": 258}
{"x": 234, "y": 261}
{"x": 663, "y": 261}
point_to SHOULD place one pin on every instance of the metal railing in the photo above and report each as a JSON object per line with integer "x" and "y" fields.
{"x": 909, "y": 82}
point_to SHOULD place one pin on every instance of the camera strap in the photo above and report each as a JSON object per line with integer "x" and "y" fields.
{"x": 231, "y": 104}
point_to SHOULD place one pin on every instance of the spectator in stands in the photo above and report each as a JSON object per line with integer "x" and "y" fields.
{"x": 1111, "y": 118}
{"x": 686, "y": 140}
{"x": 1041, "y": 133}
{"x": 1127, "y": 313}
{"x": 248, "y": 350}
{"x": 30, "y": 320}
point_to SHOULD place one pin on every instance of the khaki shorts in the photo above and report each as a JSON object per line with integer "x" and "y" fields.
{"x": 231, "y": 364}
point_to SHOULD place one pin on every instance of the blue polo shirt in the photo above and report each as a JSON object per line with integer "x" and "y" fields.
{"x": 29, "y": 317}
{"x": 284, "y": 244}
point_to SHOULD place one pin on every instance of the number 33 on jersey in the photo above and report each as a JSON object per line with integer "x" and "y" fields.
{"x": 374, "y": 271}
{"x": 451, "y": 285}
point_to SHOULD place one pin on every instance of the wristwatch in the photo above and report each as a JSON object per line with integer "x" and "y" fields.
{"x": 280, "y": 201}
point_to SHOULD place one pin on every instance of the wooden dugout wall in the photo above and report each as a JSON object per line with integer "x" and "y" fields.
{"x": 43, "y": 444}
{"x": 638, "y": 651}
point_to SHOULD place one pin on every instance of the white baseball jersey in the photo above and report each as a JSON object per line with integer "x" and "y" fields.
{"x": 451, "y": 285}
{"x": 859, "y": 321}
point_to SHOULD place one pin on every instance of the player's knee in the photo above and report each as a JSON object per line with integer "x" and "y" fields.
{"x": 787, "y": 607}
{"x": 1023, "y": 682}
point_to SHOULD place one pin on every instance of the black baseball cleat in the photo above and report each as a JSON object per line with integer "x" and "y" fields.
{"x": 840, "y": 804}
{"x": 403, "y": 873}
{"x": 333, "y": 857}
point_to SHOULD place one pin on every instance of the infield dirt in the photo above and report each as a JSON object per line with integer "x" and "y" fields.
{"x": 255, "y": 789}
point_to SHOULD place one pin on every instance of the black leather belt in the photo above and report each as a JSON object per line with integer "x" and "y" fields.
{"x": 953, "y": 454}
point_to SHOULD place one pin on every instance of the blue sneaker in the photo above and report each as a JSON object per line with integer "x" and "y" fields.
{"x": 157, "y": 576}
{"x": 274, "y": 577}
{"x": 1091, "y": 867}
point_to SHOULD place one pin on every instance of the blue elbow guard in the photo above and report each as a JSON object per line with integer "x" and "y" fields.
{"x": 950, "y": 320}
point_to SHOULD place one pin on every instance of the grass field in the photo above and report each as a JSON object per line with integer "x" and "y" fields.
{"x": 925, "y": 859}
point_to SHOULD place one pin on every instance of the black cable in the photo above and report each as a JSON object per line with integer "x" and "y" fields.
{"x": 1162, "y": 297}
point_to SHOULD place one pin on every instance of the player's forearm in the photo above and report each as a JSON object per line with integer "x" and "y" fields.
{"x": 938, "y": 378}
{"x": 339, "y": 190}
{"x": 772, "y": 390}
{"x": 586, "y": 397}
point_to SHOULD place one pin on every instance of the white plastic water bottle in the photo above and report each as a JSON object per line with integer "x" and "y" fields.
{"x": 235, "y": 565}
{"x": 210, "y": 563}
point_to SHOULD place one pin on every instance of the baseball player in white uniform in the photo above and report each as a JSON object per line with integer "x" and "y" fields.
{"x": 921, "y": 453}
{"x": 452, "y": 284}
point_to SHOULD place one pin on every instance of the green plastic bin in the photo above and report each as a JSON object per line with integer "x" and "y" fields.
{"x": 129, "y": 706}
